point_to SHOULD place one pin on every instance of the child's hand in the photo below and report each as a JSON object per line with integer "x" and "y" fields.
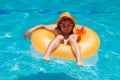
{"x": 81, "y": 31}
{"x": 27, "y": 35}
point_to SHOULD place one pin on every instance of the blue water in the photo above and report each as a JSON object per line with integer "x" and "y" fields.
{"x": 20, "y": 61}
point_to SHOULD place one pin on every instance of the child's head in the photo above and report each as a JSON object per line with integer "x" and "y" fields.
{"x": 66, "y": 23}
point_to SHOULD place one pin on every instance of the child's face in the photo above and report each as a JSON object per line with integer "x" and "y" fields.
{"x": 66, "y": 25}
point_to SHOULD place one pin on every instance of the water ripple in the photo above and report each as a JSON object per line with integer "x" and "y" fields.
{"x": 2, "y": 12}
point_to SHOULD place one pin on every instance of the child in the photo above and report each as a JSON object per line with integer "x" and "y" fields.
{"x": 63, "y": 34}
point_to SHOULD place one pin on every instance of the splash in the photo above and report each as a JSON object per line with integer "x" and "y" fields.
{"x": 92, "y": 60}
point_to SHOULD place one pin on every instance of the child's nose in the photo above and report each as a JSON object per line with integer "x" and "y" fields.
{"x": 66, "y": 23}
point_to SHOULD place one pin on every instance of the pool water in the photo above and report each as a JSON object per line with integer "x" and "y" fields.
{"x": 20, "y": 61}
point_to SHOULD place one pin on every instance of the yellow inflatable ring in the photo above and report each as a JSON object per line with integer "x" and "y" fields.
{"x": 89, "y": 44}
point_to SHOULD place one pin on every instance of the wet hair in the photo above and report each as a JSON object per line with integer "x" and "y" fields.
{"x": 58, "y": 26}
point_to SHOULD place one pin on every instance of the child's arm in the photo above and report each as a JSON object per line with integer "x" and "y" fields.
{"x": 29, "y": 32}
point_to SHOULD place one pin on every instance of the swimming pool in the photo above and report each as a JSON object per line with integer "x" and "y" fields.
{"x": 20, "y": 61}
